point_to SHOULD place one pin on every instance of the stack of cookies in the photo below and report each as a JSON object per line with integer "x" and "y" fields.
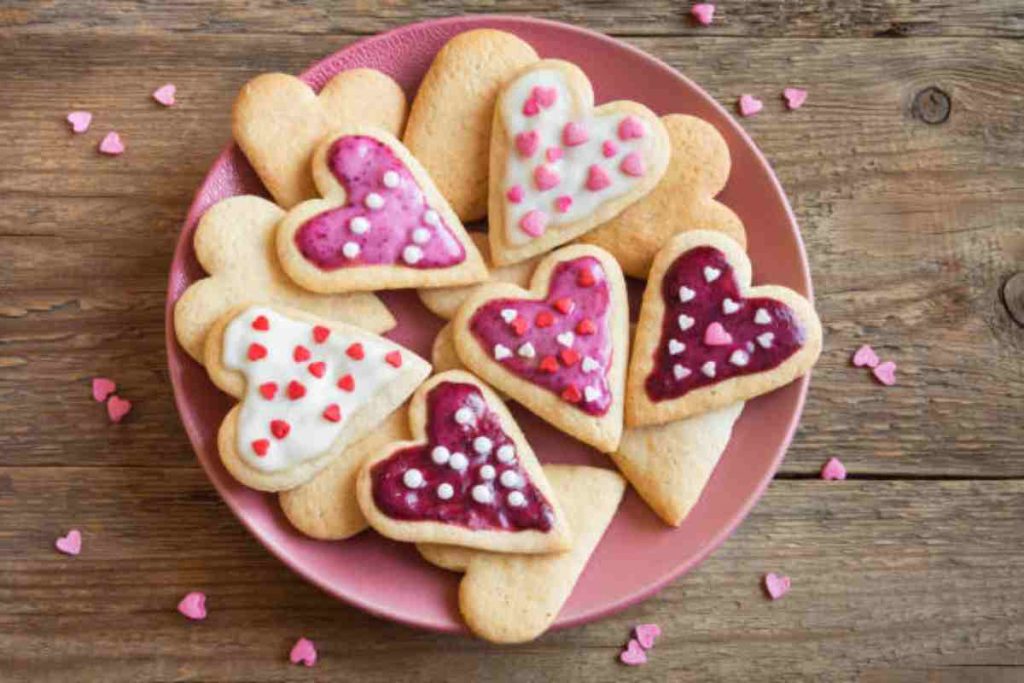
{"x": 352, "y": 430}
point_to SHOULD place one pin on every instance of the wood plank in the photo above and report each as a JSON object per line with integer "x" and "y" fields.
{"x": 761, "y": 18}
{"x": 888, "y": 578}
{"x": 911, "y": 230}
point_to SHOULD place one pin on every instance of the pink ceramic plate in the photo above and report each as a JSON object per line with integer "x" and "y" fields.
{"x": 639, "y": 554}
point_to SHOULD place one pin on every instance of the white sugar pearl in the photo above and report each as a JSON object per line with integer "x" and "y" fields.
{"x": 359, "y": 225}
{"x": 708, "y": 368}
{"x": 464, "y": 415}
{"x": 509, "y": 314}
{"x": 686, "y": 294}
{"x": 685, "y": 322}
{"x": 527, "y": 350}
{"x": 711, "y": 274}
{"x": 440, "y": 455}
{"x": 420, "y": 235}
{"x": 445, "y": 491}
{"x": 350, "y": 249}
{"x": 501, "y": 352}
{"x": 507, "y": 453}
{"x": 487, "y": 472}
{"x": 413, "y": 478}
{"x": 374, "y": 201}
{"x": 591, "y": 394}
{"x": 482, "y": 445}
{"x": 482, "y": 494}
{"x": 679, "y": 372}
{"x": 458, "y": 462}
{"x": 739, "y": 358}
{"x": 589, "y": 364}
{"x": 566, "y": 339}
{"x": 675, "y": 347}
{"x": 412, "y": 254}
{"x": 729, "y": 306}
{"x": 762, "y": 317}
{"x": 510, "y": 479}
{"x": 516, "y": 499}
{"x": 391, "y": 179}
{"x": 431, "y": 217}
{"x": 766, "y": 339}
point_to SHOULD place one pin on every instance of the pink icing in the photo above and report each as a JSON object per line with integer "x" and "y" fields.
{"x": 398, "y": 500}
{"x": 546, "y": 177}
{"x": 633, "y": 165}
{"x": 568, "y": 333}
{"x": 597, "y": 178}
{"x": 360, "y": 163}
{"x": 534, "y": 223}
{"x": 574, "y": 134}
{"x": 515, "y": 194}
{"x": 630, "y": 128}
{"x": 609, "y": 148}
{"x": 563, "y": 203}
{"x": 526, "y": 143}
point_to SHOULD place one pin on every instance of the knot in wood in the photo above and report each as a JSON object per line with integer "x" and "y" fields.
{"x": 932, "y": 105}
{"x": 1013, "y": 297}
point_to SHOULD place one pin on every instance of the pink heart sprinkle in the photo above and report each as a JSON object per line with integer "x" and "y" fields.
{"x": 102, "y": 387}
{"x": 750, "y": 105}
{"x": 193, "y": 606}
{"x": 526, "y": 143}
{"x": 633, "y": 655}
{"x": 609, "y": 148}
{"x": 117, "y": 408}
{"x": 515, "y": 194}
{"x": 703, "y": 12}
{"x": 715, "y": 335}
{"x": 545, "y": 96}
{"x": 534, "y": 223}
{"x": 574, "y": 134}
{"x": 303, "y": 652}
{"x": 165, "y": 94}
{"x": 530, "y": 107}
{"x": 553, "y": 154}
{"x": 776, "y": 585}
{"x": 646, "y": 634}
{"x": 885, "y": 373}
{"x": 111, "y": 144}
{"x": 80, "y": 121}
{"x": 546, "y": 177}
{"x": 597, "y": 178}
{"x": 633, "y": 164}
{"x": 865, "y": 355}
{"x": 563, "y": 203}
{"x": 833, "y": 470}
{"x": 71, "y": 544}
{"x": 795, "y": 97}
{"x": 631, "y": 127}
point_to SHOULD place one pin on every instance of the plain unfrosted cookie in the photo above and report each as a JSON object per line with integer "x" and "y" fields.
{"x": 307, "y": 388}
{"x": 707, "y": 339}
{"x": 278, "y": 121}
{"x": 561, "y": 167}
{"x": 381, "y": 225}
{"x": 516, "y": 598}
{"x": 559, "y": 348}
{"x": 325, "y": 507}
{"x": 442, "y": 353}
{"x": 234, "y": 243}
{"x": 449, "y": 128}
{"x": 445, "y": 301}
{"x": 467, "y": 478}
{"x": 683, "y": 200}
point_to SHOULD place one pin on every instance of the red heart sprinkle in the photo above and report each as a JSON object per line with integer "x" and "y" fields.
{"x": 261, "y": 446}
{"x": 586, "y": 326}
{"x": 261, "y": 323}
{"x": 572, "y": 394}
{"x": 394, "y": 359}
{"x": 520, "y": 325}
{"x": 355, "y": 351}
{"x": 269, "y": 390}
{"x": 279, "y": 428}
{"x": 585, "y": 278}
{"x": 569, "y": 356}
{"x": 332, "y": 413}
{"x": 320, "y": 334}
{"x": 347, "y": 383}
{"x": 564, "y": 305}
{"x": 257, "y": 351}
{"x": 544, "y": 319}
{"x": 318, "y": 368}
{"x": 296, "y": 390}
{"x": 549, "y": 364}
{"x": 301, "y": 354}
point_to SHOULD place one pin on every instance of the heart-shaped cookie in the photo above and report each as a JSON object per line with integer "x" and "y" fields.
{"x": 559, "y": 348}
{"x": 706, "y": 339}
{"x": 449, "y": 127}
{"x": 381, "y": 225}
{"x": 683, "y": 200}
{"x": 307, "y": 388}
{"x": 469, "y": 478}
{"x": 234, "y": 243}
{"x": 559, "y": 166}
{"x": 278, "y": 121}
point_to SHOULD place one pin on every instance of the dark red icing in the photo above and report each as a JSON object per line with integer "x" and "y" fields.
{"x": 584, "y": 283}
{"x": 359, "y": 164}
{"x": 706, "y": 307}
{"x": 396, "y": 499}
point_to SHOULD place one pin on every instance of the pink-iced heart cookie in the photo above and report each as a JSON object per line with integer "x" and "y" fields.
{"x": 111, "y": 144}
{"x": 307, "y": 389}
{"x": 117, "y": 408}
{"x": 707, "y": 339}
{"x": 559, "y": 348}
{"x": 559, "y": 166}
{"x": 885, "y": 373}
{"x": 833, "y": 470}
{"x": 303, "y": 652}
{"x": 102, "y": 388}
{"x": 80, "y": 121}
{"x": 795, "y": 97}
{"x": 633, "y": 654}
{"x": 749, "y": 105}
{"x": 165, "y": 94}
{"x": 70, "y": 543}
{"x": 703, "y": 13}
{"x": 381, "y": 225}
{"x": 776, "y": 585}
{"x": 468, "y": 478}
{"x": 646, "y": 634}
{"x": 193, "y": 606}
{"x": 865, "y": 356}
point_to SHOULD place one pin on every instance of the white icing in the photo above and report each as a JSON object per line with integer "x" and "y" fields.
{"x": 708, "y": 368}
{"x": 412, "y": 254}
{"x": 762, "y": 317}
{"x": 374, "y": 201}
{"x": 482, "y": 494}
{"x": 420, "y": 235}
{"x": 711, "y": 274}
{"x": 685, "y": 322}
{"x": 591, "y": 394}
{"x": 458, "y": 461}
{"x": 445, "y": 491}
{"x": 516, "y": 499}
{"x": 729, "y": 306}
{"x": 675, "y": 347}
{"x": 482, "y": 445}
{"x": 686, "y": 294}
{"x": 680, "y": 372}
{"x": 739, "y": 358}
{"x": 350, "y": 249}
{"x": 510, "y": 479}
{"x": 589, "y": 364}
{"x": 412, "y": 478}
{"x": 507, "y": 453}
{"x": 464, "y": 416}
{"x": 391, "y": 179}
{"x": 359, "y": 225}
{"x": 311, "y": 434}
{"x": 440, "y": 455}
{"x": 766, "y": 339}
{"x": 501, "y": 352}
{"x": 574, "y": 164}
{"x": 566, "y": 339}
{"x": 487, "y": 472}
{"x": 509, "y": 314}
{"x": 527, "y": 350}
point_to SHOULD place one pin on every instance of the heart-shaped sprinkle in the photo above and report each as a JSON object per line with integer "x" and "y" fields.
{"x": 355, "y": 351}
{"x": 545, "y": 177}
{"x": 563, "y": 305}
{"x": 515, "y": 194}
{"x": 686, "y": 294}
{"x": 102, "y": 388}
{"x": 526, "y": 143}
{"x": 117, "y": 408}
{"x": 165, "y": 94}
{"x": 296, "y": 390}
{"x": 544, "y": 319}
{"x": 865, "y": 356}
{"x": 268, "y": 390}
{"x": 566, "y": 338}
{"x": 280, "y": 429}
{"x": 347, "y": 383}
{"x": 715, "y": 335}
{"x": 70, "y": 543}
{"x": 111, "y": 144}
{"x": 303, "y": 652}
{"x": 574, "y": 134}
{"x": 631, "y": 128}
{"x": 193, "y": 606}
{"x": 321, "y": 333}
{"x": 501, "y": 352}
{"x": 509, "y": 314}
{"x": 546, "y": 96}
{"x": 750, "y": 105}
{"x": 885, "y": 373}
{"x": 776, "y": 585}
{"x": 685, "y": 322}
{"x": 711, "y": 274}
{"x": 633, "y": 165}
{"x": 553, "y": 154}
{"x": 317, "y": 369}
{"x": 634, "y": 654}
{"x": 332, "y": 413}
{"x": 597, "y": 178}
{"x": 590, "y": 365}
{"x": 680, "y": 371}
{"x": 675, "y": 347}
{"x": 646, "y": 634}
{"x": 609, "y": 149}
{"x": 563, "y": 203}
{"x": 394, "y": 359}
{"x": 833, "y": 470}
{"x": 729, "y": 306}
{"x": 534, "y": 222}
{"x": 795, "y": 97}
{"x": 260, "y": 447}
{"x": 80, "y": 121}
{"x": 261, "y": 324}
{"x": 703, "y": 13}
{"x": 256, "y": 351}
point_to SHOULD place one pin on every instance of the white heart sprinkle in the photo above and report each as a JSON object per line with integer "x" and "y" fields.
{"x": 729, "y": 306}
{"x": 374, "y": 201}
{"x": 589, "y": 364}
{"x": 711, "y": 274}
{"x": 420, "y": 235}
{"x": 510, "y": 479}
{"x": 566, "y": 338}
{"x": 501, "y": 352}
{"x": 440, "y": 455}
{"x": 685, "y": 322}
{"x": 516, "y": 499}
{"x": 527, "y": 350}
{"x": 350, "y": 249}
{"x": 739, "y": 358}
{"x": 359, "y": 225}
{"x": 591, "y": 394}
{"x": 412, "y": 254}
{"x": 680, "y": 372}
{"x": 675, "y": 347}
{"x": 391, "y": 179}
{"x": 762, "y": 317}
{"x": 507, "y": 453}
{"x": 509, "y": 314}
{"x": 766, "y": 339}
{"x": 482, "y": 494}
{"x": 445, "y": 491}
{"x": 686, "y": 294}
{"x": 708, "y": 368}
{"x": 431, "y": 217}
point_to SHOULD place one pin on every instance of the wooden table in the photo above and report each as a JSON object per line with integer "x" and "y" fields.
{"x": 905, "y": 169}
